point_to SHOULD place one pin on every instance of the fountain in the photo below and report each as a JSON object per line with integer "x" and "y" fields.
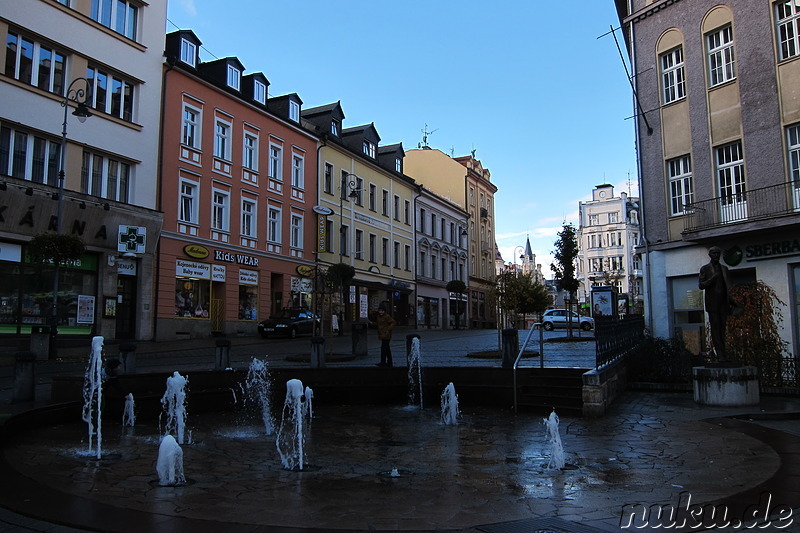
{"x": 291, "y": 434}
{"x": 129, "y": 414}
{"x": 93, "y": 395}
{"x": 257, "y": 389}
{"x": 414, "y": 374}
{"x": 170, "y": 463}
{"x": 174, "y": 402}
{"x": 450, "y": 405}
{"x": 556, "y": 449}
{"x": 309, "y": 395}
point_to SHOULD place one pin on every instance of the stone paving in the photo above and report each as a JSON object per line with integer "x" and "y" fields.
{"x": 651, "y": 448}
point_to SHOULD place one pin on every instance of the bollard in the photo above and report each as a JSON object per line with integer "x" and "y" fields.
{"x": 223, "y": 359}
{"x": 510, "y": 347}
{"x": 359, "y": 339}
{"x": 127, "y": 354}
{"x": 24, "y": 377}
{"x": 317, "y": 352}
{"x": 409, "y": 339}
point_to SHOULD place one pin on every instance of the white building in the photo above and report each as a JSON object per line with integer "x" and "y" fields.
{"x": 607, "y": 235}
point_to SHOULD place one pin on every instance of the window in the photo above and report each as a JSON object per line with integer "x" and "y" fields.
{"x": 793, "y": 133}
{"x": 234, "y": 77}
{"x": 359, "y": 244}
{"x": 187, "y": 203}
{"x": 327, "y": 180}
{"x": 335, "y": 127}
{"x": 373, "y": 196}
{"x": 274, "y": 225}
{"x": 34, "y": 63}
{"x": 298, "y": 170}
{"x": 248, "y": 228}
{"x": 329, "y": 233}
{"x": 422, "y": 221}
{"x": 111, "y": 93}
{"x": 613, "y": 217}
{"x": 105, "y": 177}
{"x": 434, "y": 261}
{"x": 29, "y": 157}
{"x": 259, "y": 92}
{"x": 119, "y": 15}
{"x": 359, "y": 190}
{"x": 730, "y": 175}
{"x": 672, "y": 76}
{"x": 396, "y": 207}
{"x": 373, "y": 248}
{"x": 222, "y": 140}
{"x": 188, "y": 52}
{"x": 396, "y": 254}
{"x": 407, "y": 212}
{"x": 787, "y": 16}
{"x": 721, "y": 63}
{"x": 296, "y": 231}
{"x": 220, "y": 211}
{"x": 385, "y": 203}
{"x": 276, "y": 162}
{"x": 407, "y": 256}
{"x": 681, "y": 189}
{"x": 191, "y": 127}
{"x": 594, "y": 220}
{"x": 398, "y": 165}
{"x": 422, "y": 263}
{"x": 294, "y": 111}
{"x": 344, "y": 246}
{"x": 385, "y": 250}
{"x": 433, "y": 224}
{"x": 442, "y": 230}
{"x": 250, "y": 151}
{"x": 368, "y": 148}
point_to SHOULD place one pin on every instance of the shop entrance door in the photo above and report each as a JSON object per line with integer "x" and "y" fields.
{"x": 126, "y": 307}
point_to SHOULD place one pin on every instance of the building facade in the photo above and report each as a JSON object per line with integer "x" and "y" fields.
{"x": 608, "y": 234}
{"x": 464, "y": 182}
{"x": 441, "y": 251}
{"x": 237, "y": 192}
{"x": 366, "y": 218}
{"x": 718, "y": 129}
{"x": 95, "y": 180}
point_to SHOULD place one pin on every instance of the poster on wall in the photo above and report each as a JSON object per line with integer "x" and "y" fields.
{"x": 85, "y": 309}
{"x": 603, "y": 302}
{"x": 363, "y": 308}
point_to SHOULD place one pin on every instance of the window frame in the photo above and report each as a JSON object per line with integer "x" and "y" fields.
{"x": 249, "y": 218}
{"x": 274, "y": 224}
{"x": 113, "y": 171}
{"x": 259, "y": 92}
{"x": 233, "y": 77}
{"x": 275, "y": 161}
{"x": 787, "y": 30}
{"x": 222, "y": 139}
{"x": 130, "y": 21}
{"x": 298, "y": 171}
{"x": 296, "y": 231}
{"x": 731, "y": 179}
{"x": 220, "y": 210}
{"x": 190, "y": 201}
{"x": 250, "y": 151}
{"x": 673, "y": 75}
{"x": 195, "y": 125}
{"x": 188, "y": 52}
{"x": 680, "y": 182}
{"x": 103, "y": 83}
{"x": 721, "y": 56}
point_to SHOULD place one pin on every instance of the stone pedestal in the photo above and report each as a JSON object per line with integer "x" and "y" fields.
{"x": 726, "y": 386}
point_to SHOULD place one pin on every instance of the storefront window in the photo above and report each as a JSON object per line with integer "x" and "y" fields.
{"x": 301, "y": 292}
{"x": 192, "y": 297}
{"x": 687, "y": 312}
{"x": 248, "y": 302}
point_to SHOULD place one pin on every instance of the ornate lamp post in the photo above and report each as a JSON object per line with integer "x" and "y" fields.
{"x": 521, "y": 259}
{"x": 82, "y": 97}
{"x": 352, "y": 187}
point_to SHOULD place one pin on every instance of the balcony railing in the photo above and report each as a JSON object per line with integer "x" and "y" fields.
{"x": 744, "y": 206}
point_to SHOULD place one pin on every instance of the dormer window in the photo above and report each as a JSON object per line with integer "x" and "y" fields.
{"x": 234, "y": 77}
{"x": 188, "y": 52}
{"x": 335, "y": 127}
{"x": 368, "y": 148}
{"x": 259, "y": 92}
{"x": 398, "y": 165}
{"x": 294, "y": 111}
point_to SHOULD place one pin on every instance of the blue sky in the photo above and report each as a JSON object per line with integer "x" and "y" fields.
{"x": 527, "y": 84}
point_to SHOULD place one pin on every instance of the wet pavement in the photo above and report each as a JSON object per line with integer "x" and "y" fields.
{"x": 488, "y": 473}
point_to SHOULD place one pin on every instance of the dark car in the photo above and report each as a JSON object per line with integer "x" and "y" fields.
{"x": 289, "y": 323}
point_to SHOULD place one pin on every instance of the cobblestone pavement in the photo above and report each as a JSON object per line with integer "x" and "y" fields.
{"x": 488, "y": 473}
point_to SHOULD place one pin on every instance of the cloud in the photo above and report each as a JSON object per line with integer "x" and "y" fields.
{"x": 189, "y": 7}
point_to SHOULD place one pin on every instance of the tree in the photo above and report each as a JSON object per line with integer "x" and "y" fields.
{"x": 457, "y": 286}
{"x": 564, "y": 266}
{"x": 520, "y": 295}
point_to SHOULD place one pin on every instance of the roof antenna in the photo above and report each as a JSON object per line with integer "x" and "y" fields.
{"x": 425, "y": 133}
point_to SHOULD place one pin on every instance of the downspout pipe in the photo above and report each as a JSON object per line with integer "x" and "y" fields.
{"x": 416, "y": 270}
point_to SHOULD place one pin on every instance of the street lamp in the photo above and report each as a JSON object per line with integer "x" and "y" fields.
{"x": 521, "y": 257}
{"x": 82, "y": 97}
{"x": 352, "y": 187}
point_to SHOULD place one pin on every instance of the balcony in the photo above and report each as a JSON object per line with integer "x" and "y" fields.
{"x": 756, "y": 209}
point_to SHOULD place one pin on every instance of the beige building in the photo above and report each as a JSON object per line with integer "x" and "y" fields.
{"x": 464, "y": 181}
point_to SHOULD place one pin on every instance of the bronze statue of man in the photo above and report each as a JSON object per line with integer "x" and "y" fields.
{"x": 714, "y": 281}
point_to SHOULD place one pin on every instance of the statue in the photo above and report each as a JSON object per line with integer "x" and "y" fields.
{"x": 714, "y": 282}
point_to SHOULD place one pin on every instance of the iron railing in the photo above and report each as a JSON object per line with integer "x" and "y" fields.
{"x": 617, "y": 338}
{"x": 744, "y": 206}
{"x": 522, "y": 350}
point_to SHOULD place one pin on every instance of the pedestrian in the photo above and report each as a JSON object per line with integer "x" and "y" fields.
{"x": 385, "y": 325}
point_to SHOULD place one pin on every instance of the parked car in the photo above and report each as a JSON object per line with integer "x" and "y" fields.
{"x": 289, "y": 323}
{"x": 557, "y": 318}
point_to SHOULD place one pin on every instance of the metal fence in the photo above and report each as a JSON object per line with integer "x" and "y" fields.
{"x": 617, "y": 337}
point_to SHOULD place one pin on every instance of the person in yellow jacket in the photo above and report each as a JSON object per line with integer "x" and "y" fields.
{"x": 385, "y": 325}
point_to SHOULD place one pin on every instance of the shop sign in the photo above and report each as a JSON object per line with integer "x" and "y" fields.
{"x": 192, "y": 269}
{"x": 241, "y": 259}
{"x": 131, "y": 239}
{"x": 305, "y": 271}
{"x": 10, "y": 252}
{"x": 248, "y": 277}
{"x": 218, "y": 273}
{"x": 301, "y": 285}
{"x": 371, "y": 221}
{"x": 196, "y": 251}
{"x": 126, "y": 267}
{"x": 363, "y": 307}
{"x": 770, "y": 250}
{"x": 322, "y": 234}
{"x": 458, "y": 296}
{"x": 352, "y": 294}
{"x": 402, "y": 284}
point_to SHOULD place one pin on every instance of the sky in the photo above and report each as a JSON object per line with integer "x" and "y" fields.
{"x": 537, "y": 88}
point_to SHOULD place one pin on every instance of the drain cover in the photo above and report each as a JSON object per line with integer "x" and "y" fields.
{"x": 538, "y": 525}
